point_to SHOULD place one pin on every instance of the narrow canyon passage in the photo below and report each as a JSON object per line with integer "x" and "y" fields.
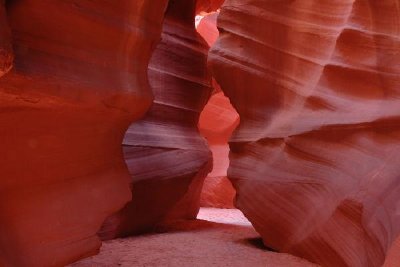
{"x": 217, "y": 122}
{"x": 166, "y": 156}
{"x": 218, "y": 236}
{"x": 199, "y": 133}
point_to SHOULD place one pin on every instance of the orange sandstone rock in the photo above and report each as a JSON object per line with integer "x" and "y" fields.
{"x": 166, "y": 156}
{"x": 208, "y": 5}
{"x": 217, "y": 122}
{"x": 79, "y": 80}
{"x": 315, "y": 159}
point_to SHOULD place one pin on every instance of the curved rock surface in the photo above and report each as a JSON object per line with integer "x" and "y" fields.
{"x": 166, "y": 156}
{"x": 207, "y": 28}
{"x": 315, "y": 159}
{"x": 79, "y": 80}
{"x": 216, "y": 124}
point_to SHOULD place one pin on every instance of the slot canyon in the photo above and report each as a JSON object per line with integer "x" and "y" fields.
{"x": 200, "y": 133}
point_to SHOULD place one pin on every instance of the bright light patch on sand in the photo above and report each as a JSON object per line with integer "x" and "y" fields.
{"x": 227, "y": 216}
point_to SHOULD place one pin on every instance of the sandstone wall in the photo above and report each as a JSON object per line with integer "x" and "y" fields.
{"x": 315, "y": 159}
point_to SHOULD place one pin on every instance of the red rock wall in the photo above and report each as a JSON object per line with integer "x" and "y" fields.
{"x": 79, "y": 80}
{"x": 208, "y": 5}
{"x": 217, "y": 122}
{"x": 315, "y": 159}
{"x": 166, "y": 156}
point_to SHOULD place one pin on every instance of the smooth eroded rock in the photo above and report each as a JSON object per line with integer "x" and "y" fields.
{"x": 217, "y": 122}
{"x": 166, "y": 156}
{"x": 315, "y": 159}
{"x": 78, "y": 81}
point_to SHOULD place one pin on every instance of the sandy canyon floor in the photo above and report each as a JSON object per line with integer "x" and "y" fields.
{"x": 220, "y": 237}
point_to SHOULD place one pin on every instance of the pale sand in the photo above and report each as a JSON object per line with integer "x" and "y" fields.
{"x": 222, "y": 237}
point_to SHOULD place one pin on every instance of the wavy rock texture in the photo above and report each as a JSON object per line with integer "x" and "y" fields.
{"x": 217, "y": 122}
{"x": 79, "y": 80}
{"x": 6, "y": 54}
{"x": 315, "y": 160}
{"x": 166, "y": 156}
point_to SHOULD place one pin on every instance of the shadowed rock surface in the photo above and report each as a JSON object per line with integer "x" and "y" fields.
{"x": 208, "y": 5}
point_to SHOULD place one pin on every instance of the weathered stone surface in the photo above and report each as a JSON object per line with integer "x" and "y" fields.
{"x": 315, "y": 159}
{"x": 78, "y": 81}
{"x": 166, "y": 156}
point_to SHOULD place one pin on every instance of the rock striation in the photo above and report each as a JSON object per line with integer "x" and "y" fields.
{"x": 79, "y": 79}
{"x": 315, "y": 159}
{"x": 166, "y": 156}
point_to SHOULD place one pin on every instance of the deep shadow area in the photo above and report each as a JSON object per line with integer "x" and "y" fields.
{"x": 256, "y": 242}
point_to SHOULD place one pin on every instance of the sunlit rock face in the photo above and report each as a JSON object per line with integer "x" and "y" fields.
{"x": 165, "y": 154}
{"x": 217, "y": 122}
{"x": 315, "y": 159}
{"x": 78, "y": 81}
